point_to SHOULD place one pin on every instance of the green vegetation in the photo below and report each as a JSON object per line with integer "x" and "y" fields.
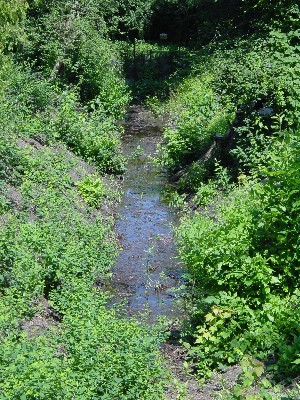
{"x": 53, "y": 251}
{"x": 231, "y": 91}
{"x": 241, "y": 241}
{"x": 92, "y": 190}
{"x": 61, "y": 92}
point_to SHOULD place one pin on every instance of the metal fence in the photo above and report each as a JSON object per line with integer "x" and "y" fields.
{"x": 141, "y": 61}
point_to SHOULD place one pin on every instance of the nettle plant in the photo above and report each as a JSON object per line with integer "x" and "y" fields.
{"x": 92, "y": 190}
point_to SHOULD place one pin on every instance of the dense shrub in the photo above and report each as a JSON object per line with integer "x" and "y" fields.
{"x": 34, "y": 107}
{"x": 92, "y": 135}
{"x": 248, "y": 75}
{"x": 61, "y": 96}
{"x": 12, "y": 15}
{"x": 244, "y": 264}
{"x": 62, "y": 89}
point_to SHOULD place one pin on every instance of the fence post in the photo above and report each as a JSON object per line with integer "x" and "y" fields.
{"x": 134, "y": 61}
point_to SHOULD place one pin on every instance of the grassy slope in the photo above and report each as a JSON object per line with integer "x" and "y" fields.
{"x": 60, "y": 97}
{"x": 58, "y": 338}
{"x": 240, "y": 244}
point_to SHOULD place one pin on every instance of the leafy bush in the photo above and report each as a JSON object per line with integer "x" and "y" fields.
{"x": 193, "y": 127}
{"x": 242, "y": 251}
{"x": 92, "y": 190}
{"x": 241, "y": 247}
{"x": 205, "y": 194}
{"x": 250, "y": 75}
{"x": 35, "y": 108}
{"x": 244, "y": 263}
{"x": 99, "y": 70}
{"x": 59, "y": 338}
{"x": 12, "y": 160}
{"x": 11, "y": 17}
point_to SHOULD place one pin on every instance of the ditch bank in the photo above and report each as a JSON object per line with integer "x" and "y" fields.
{"x": 147, "y": 276}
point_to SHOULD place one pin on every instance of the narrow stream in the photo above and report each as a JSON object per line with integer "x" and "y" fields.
{"x": 147, "y": 272}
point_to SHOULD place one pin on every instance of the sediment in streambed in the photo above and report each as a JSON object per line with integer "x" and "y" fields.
{"x": 148, "y": 273}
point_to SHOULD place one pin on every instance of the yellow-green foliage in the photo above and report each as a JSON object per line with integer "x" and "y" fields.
{"x": 52, "y": 252}
{"x": 244, "y": 264}
{"x": 12, "y": 13}
{"x": 196, "y": 116}
{"x": 92, "y": 190}
{"x": 53, "y": 246}
{"x": 242, "y": 246}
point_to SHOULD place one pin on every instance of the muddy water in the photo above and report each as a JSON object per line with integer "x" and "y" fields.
{"x": 147, "y": 272}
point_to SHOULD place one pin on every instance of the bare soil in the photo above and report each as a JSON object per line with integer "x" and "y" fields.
{"x": 45, "y": 319}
